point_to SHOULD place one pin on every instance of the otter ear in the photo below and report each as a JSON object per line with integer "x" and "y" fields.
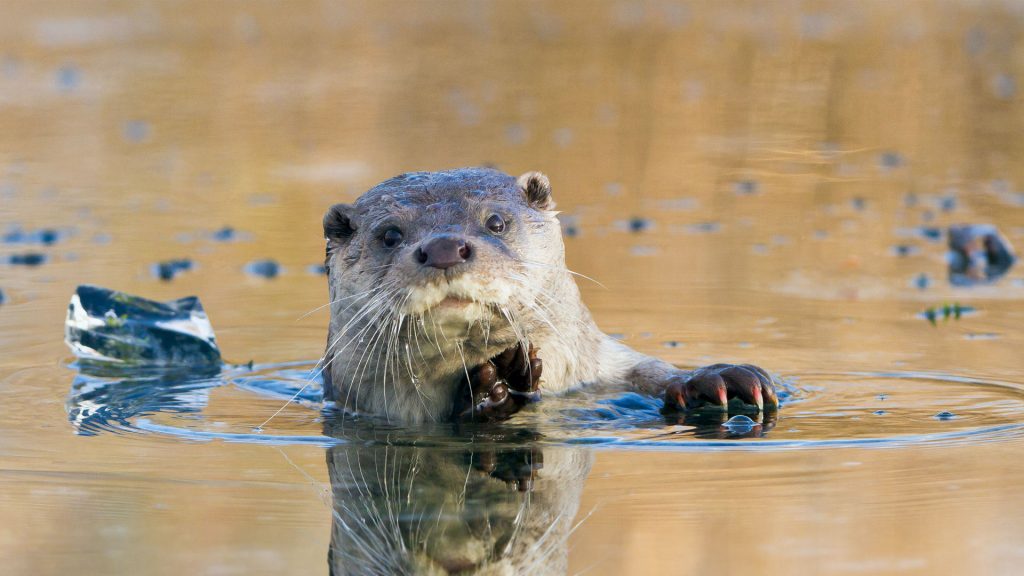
{"x": 338, "y": 223}
{"x": 537, "y": 189}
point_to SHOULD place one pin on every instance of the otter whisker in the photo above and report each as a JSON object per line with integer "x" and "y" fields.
{"x": 306, "y": 385}
{"x": 560, "y": 269}
{"x": 342, "y": 299}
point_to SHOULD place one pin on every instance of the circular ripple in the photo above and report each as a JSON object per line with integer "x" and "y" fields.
{"x": 856, "y": 409}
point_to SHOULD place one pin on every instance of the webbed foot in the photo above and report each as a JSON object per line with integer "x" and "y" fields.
{"x": 715, "y": 387}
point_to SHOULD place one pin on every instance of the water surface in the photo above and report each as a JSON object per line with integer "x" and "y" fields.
{"x": 765, "y": 183}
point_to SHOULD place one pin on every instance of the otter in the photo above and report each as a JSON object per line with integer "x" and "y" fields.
{"x": 450, "y": 299}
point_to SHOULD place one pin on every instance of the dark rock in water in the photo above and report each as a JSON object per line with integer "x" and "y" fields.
{"x": 891, "y": 160}
{"x": 3, "y": 297}
{"x": 978, "y": 254}
{"x": 225, "y": 234}
{"x": 263, "y": 268}
{"x": 44, "y": 236}
{"x": 931, "y": 233}
{"x": 109, "y": 327}
{"x": 317, "y": 269}
{"x": 745, "y": 187}
{"x": 27, "y": 259}
{"x": 638, "y": 224}
{"x": 922, "y": 281}
{"x": 904, "y": 250}
{"x": 945, "y": 416}
{"x": 168, "y": 269}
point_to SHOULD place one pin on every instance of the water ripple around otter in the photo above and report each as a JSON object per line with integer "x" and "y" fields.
{"x": 820, "y": 410}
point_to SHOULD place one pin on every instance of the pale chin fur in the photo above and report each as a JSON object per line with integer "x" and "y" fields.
{"x": 484, "y": 297}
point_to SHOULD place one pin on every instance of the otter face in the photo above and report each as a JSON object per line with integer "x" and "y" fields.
{"x": 463, "y": 245}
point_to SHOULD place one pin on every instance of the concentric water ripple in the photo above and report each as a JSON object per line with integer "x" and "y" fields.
{"x": 820, "y": 410}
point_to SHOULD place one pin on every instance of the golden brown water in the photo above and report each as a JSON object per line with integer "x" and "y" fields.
{"x": 779, "y": 150}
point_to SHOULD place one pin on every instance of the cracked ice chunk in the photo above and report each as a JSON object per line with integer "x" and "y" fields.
{"x": 108, "y": 326}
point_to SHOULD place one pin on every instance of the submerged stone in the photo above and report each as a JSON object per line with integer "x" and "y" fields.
{"x": 168, "y": 269}
{"x": 978, "y": 254}
{"x": 945, "y": 416}
{"x": 263, "y": 268}
{"x": 111, "y": 327}
{"x": 44, "y": 236}
{"x": 31, "y": 259}
{"x": 637, "y": 224}
{"x": 225, "y": 234}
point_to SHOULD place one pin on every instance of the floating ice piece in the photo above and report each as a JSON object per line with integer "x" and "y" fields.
{"x": 113, "y": 327}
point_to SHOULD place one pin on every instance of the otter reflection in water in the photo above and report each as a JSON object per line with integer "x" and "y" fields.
{"x": 485, "y": 504}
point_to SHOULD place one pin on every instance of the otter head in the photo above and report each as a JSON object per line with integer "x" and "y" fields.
{"x": 468, "y": 252}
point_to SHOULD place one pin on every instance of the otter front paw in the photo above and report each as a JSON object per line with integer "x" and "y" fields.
{"x": 714, "y": 386}
{"x": 500, "y": 387}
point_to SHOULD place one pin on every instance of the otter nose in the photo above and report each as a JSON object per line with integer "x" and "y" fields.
{"x": 443, "y": 251}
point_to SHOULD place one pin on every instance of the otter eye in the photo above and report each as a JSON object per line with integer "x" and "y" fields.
{"x": 496, "y": 224}
{"x": 392, "y": 237}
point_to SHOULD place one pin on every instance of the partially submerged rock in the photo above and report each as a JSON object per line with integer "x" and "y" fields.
{"x": 111, "y": 327}
{"x": 978, "y": 254}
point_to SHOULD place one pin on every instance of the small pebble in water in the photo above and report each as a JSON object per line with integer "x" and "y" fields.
{"x": 31, "y": 259}
{"x": 904, "y": 250}
{"x": 931, "y": 233}
{"x": 859, "y": 203}
{"x": 879, "y": 412}
{"x": 225, "y": 234}
{"x": 44, "y": 236}
{"x": 745, "y": 187}
{"x": 168, "y": 269}
{"x": 3, "y": 297}
{"x": 317, "y": 269}
{"x": 637, "y": 224}
{"x": 948, "y": 203}
{"x": 672, "y": 344}
{"x": 922, "y": 281}
{"x": 882, "y": 396}
{"x": 263, "y": 268}
{"x": 890, "y": 160}
{"x": 945, "y": 416}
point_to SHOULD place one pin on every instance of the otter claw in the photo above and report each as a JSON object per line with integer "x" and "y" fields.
{"x": 712, "y": 387}
{"x": 500, "y": 387}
